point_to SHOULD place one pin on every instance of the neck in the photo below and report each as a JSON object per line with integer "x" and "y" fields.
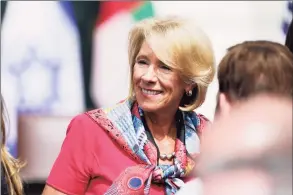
{"x": 161, "y": 125}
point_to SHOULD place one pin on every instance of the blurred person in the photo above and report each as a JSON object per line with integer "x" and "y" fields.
{"x": 253, "y": 67}
{"x": 248, "y": 69}
{"x": 11, "y": 183}
{"x": 147, "y": 143}
{"x": 192, "y": 187}
{"x": 250, "y": 152}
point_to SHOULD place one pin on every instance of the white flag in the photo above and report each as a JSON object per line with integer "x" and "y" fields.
{"x": 40, "y": 61}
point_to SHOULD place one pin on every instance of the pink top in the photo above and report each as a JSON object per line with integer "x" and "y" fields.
{"x": 89, "y": 161}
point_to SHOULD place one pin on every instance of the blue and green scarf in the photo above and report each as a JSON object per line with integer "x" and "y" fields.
{"x": 125, "y": 125}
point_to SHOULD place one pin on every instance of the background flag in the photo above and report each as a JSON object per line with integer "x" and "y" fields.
{"x": 287, "y": 17}
{"x": 110, "y": 76}
{"x": 40, "y": 62}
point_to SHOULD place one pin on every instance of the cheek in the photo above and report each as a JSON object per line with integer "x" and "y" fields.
{"x": 177, "y": 86}
{"x": 136, "y": 75}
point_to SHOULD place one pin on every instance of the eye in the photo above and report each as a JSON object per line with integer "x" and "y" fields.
{"x": 142, "y": 62}
{"x": 165, "y": 67}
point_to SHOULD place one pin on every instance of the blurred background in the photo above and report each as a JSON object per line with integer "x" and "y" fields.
{"x": 61, "y": 58}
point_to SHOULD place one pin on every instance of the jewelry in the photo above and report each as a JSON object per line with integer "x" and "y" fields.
{"x": 189, "y": 93}
{"x": 167, "y": 156}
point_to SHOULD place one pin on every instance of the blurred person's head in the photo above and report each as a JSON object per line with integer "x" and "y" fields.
{"x": 10, "y": 166}
{"x": 250, "y": 152}
{"x": 253, "y": 67}
{"x": 172, "y": 56}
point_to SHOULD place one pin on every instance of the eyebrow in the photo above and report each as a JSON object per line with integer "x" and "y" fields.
{"x": 142, "y": 55}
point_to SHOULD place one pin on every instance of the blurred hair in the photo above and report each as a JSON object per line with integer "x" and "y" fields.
{"x": 181, "y": 45}
{"x": 253, "y": 67}
{"x": 11, "y": 166}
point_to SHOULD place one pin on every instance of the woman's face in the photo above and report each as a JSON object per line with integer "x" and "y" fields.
{"x": 157, "y": 87}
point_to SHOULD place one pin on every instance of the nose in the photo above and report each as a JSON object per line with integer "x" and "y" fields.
{"x": 150, "y": 74}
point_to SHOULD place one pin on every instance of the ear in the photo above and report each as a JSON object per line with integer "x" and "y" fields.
{"x": 224, "y": 106}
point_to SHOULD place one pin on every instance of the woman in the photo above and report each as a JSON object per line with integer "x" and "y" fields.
{"x": 147, "y": 143}
{"x": 11, "y": 183}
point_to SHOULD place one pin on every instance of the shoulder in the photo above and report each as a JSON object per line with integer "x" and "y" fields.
{"x": 204, "y": 121}
{"x": 200, "y": 120}
{"x": 83, "y": 124}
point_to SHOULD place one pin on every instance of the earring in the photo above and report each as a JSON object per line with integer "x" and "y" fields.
{"x": 189, "y": 93}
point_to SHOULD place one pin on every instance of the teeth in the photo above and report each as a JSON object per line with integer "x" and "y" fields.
{"x": 150, "y": 92}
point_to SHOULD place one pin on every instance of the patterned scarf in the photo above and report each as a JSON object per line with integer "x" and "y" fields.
{"x": 125, "y": 126}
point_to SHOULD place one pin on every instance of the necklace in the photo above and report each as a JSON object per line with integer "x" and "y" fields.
{"x": 167, "y": 156}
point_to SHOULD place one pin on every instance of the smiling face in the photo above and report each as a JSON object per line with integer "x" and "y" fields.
{"x": 157, "y": 87}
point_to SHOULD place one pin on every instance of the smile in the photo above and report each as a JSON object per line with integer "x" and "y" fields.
{"x": 150, "y": 92}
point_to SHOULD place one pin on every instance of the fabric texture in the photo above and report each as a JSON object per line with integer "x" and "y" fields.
{"x": 91, "y": 160}
{"x": 124, "y": 125}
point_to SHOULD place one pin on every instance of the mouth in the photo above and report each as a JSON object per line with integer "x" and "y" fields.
{"x": 150, "y": 92}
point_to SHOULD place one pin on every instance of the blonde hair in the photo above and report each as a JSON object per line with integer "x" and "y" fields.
{"x": 11, "y": 166}
{"x": 181, "y": 45}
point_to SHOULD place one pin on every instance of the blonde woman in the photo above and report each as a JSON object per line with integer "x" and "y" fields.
{"x": 11, "y": 183}
{"x": 146, "y": 144}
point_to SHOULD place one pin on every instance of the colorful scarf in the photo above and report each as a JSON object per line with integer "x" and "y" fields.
{"x": 124, "y": 125}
